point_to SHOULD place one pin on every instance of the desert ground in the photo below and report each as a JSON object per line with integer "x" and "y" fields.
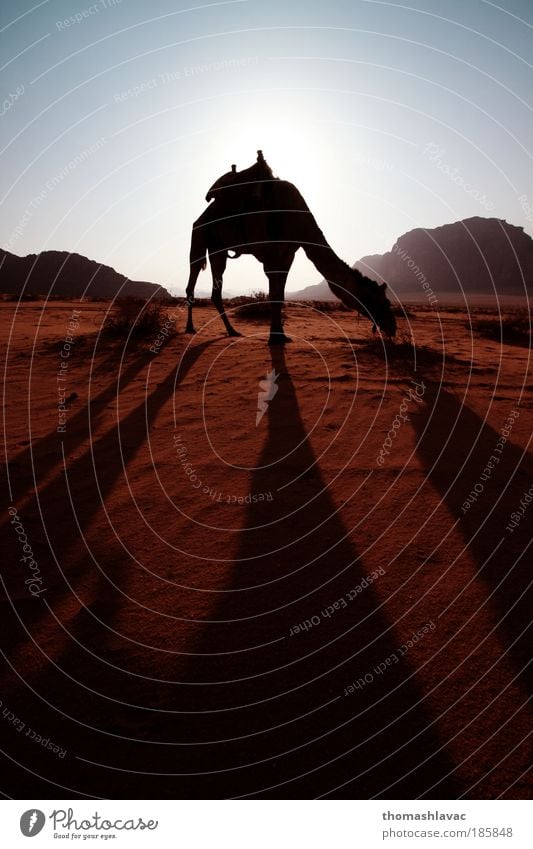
{"x": 328, "y": 599}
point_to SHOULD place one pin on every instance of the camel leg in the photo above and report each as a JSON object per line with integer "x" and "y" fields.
{"x": 196, "y": 264}
{"x": 218, "y": 267}
{"x": 276, "y": 288}
{"x": 189, "y": 292}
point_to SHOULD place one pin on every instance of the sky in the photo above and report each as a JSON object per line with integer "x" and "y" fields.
{"x": 117, "y": 116}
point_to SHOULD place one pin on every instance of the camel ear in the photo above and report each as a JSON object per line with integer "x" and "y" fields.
{"x": 383, "y": 287}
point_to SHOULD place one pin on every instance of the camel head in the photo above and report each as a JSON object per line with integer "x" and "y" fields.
{"x": 378, "y": 307}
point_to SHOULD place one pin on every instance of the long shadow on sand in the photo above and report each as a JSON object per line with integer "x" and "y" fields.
{"x": 455, "y": 446}
{"x": 67, "y": 512}
{"x": 279, "y": 700}
{"x": 44, "y": 454}
{"x": 258, "y": 712}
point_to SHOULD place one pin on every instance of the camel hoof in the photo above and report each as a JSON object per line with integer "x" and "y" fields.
{"x": 234, "y": 333}
{"x": 278, "y": 339}
{"x": 190, "y": 330}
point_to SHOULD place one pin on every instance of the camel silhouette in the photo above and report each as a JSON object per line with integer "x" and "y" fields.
{"x": 253, "y": 212}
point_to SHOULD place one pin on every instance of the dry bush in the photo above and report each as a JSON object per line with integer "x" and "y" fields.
{"x": 329, "y": 306}
{"x": 402, "y": 311}
{"x": 512, "y": 329}
{"x": 254, "y": 307}
{"x": 403, "y": 339}
{"x": 27, "y": 296}
{"x": 135, "y": 317}
{"x": 182, "y": 303}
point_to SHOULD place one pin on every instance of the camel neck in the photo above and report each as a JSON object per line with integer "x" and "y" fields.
{"x": 333, "y": 269}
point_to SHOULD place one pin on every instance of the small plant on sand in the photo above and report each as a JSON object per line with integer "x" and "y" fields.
{"x": 26, "y": 296}
{"x": 329, "y": 306}
{"x": 403, "y": 340}
{"x": 402, "y": 347}
{"x": 256, "y": 306}
{"x": 511, "y": 329}
{"x": 135, "y": 317}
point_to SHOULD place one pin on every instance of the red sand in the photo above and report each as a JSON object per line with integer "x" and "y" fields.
{"x": 158, "y": 654}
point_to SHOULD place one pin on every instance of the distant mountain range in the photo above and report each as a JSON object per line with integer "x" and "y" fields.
{"x": 70, "y": 276}
{"x": 477, "y": 256}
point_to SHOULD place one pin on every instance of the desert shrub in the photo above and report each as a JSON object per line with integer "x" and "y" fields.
{"x": 402, "y": 311}
{"x": 182, "y": 302}
{"x": 330, "y": 306}
{"x": 27, "y": 296}
{"x": 253, "y": 307}
{"x": 403, "y": 339}
{"x": 512, "y": 329}
{"x": 137, "y": 318}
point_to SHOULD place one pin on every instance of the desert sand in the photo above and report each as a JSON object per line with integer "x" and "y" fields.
{"x": 295, "y": 607}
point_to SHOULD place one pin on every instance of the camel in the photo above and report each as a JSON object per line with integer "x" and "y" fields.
{"x": 253, "y": 212}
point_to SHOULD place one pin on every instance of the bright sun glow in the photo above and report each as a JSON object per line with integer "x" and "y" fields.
{"x": 293, "y": 154}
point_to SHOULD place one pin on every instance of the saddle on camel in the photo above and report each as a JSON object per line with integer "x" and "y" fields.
{"x": 243, "y": 196}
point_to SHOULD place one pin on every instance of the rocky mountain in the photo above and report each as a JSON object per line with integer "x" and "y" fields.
{"x": 70, "y": 276}
{"x": 477, "y": 256}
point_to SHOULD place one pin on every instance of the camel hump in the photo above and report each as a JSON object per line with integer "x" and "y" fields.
{"x": 285, "y": 195}
{"x": 258, "y": 173}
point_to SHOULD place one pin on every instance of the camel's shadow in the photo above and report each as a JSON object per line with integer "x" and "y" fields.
{"x": 67, "y": 672}
{"x": 254, "y": 710}
{"x": 456, "y": 445}
{"x": 268, "y": 709}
